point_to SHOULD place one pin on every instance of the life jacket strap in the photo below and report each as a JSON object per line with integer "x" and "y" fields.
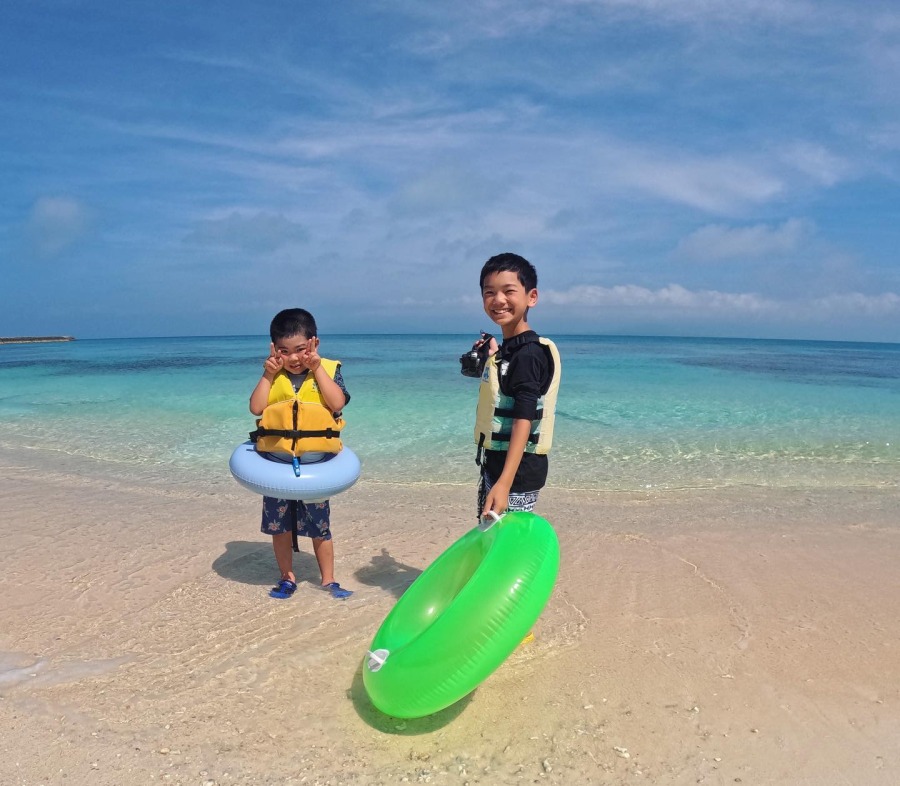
{"x": 294, "y": 513}
{"x": 499, "y": 437}
{"x": 328, "y": 433}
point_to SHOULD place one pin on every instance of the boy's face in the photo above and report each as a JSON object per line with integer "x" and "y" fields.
{"x": 293, "y": 350}
{"x": 505, "y": 299}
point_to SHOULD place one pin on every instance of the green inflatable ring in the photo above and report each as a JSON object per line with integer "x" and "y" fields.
{"x": 462, "y": 617}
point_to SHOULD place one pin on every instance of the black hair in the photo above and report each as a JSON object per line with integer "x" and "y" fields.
{"x": 292, "y": 322}
{"x": 513, "y": 263}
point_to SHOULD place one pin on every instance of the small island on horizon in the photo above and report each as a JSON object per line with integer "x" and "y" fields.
{"x": 34, "y": 339}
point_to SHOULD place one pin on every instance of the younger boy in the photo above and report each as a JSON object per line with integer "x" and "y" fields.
{"x": 517, "y": 396}
{"x": 293, "y": 367}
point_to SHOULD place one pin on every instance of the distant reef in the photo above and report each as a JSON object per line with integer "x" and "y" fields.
{"x": 34, "y": 339}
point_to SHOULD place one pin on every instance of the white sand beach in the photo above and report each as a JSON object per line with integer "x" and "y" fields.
{"x": 693, "y": 637}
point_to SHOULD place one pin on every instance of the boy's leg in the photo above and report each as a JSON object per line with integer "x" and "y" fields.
{"x": 324, "y": 551}
{"x": 278, "y": 521}
{"x": 315, "y": 523}
{"x": 284, "y": 555}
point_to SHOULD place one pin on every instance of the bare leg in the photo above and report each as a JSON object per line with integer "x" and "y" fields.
{"x": 324, "y": 551}
{"x": 284, "y": 555}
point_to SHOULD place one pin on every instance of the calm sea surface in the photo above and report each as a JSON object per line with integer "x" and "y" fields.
{"x": 633, "y": 413}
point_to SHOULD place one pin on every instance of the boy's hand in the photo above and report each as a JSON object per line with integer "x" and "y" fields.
{"x": 274, "y": 363}
{"x": 492, "y": 343}
{"x": 497, "y": 499}
{"x": 310, "y": 356}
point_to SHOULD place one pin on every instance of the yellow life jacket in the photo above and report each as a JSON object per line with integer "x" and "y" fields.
{"x": 494, "y": 416}
{"x": 298, "y": 423}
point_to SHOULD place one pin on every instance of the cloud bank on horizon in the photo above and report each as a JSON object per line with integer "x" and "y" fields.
{"x": 688, "y": 168}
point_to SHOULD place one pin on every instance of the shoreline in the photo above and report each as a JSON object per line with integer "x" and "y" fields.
{"x": 214, "y": 476}
{"x": 746, "y": 636}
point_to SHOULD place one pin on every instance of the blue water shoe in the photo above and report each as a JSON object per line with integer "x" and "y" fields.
{"x": 284, "y": 590}
{"x": 337, "y": 591}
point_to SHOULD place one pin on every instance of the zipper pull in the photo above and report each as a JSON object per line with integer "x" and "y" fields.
{"x": 296, "y": 463}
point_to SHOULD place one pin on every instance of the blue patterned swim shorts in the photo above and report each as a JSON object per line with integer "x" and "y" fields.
{"x": 313, "y": 519}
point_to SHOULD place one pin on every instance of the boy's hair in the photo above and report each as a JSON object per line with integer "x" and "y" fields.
{"x": 292, "y": 322}
{"x": 513, "y": 263}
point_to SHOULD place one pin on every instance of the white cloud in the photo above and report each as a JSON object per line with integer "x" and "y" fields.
{"x": 715, "y": 185}
{"x": 671, "y": 298}
{"x": 677, "y": 301}
{"x": 716, "y": 242}
{"x": 817, "y": 163}
{"x": 855, "y": 303}
{"x": 697, "y": 12}
{"x": 55, "y": 224}
{"x": 504, "y": 18}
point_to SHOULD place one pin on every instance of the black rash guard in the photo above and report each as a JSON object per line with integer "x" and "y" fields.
{"x": 525, "y": 370}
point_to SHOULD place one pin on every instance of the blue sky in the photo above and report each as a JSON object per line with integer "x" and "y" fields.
{"x": 682, "y": 167}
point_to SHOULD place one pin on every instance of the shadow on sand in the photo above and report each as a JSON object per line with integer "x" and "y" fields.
{"x": 386, "y": 572}
{"x": 253, "y": 563}
{"x": 402, "y": 727}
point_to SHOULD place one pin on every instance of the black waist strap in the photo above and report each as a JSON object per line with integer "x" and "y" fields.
{"x": 498, "y": 437}
{"x": 328, "y": 433}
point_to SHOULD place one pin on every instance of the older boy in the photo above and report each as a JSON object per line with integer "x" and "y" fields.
{"x": 517, "y": 395}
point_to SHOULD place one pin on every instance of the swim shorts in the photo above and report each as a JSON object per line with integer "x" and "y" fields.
{"x": 313, "y": 519}
{"x": 518, "y": 500}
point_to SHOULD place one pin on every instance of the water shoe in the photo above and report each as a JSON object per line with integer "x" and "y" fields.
{"x": 337, "y": 591}
{"x": 284, "y": 590}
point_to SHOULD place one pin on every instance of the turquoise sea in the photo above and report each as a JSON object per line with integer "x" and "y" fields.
{"x": 634, "y": 413}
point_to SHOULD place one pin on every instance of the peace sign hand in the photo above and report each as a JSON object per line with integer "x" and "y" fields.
{"x": 274, "y": 363}
{"x": 310, "y": 356}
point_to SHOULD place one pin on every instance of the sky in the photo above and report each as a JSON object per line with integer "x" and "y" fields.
{"x": 671, "y": 167}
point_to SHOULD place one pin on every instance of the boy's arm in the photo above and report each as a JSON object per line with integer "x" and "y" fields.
{"x": 259, "y": 398}
{"x": 330, "y": 390}
{"x": 498, "y": 497}
{"x": 260, "y": 395}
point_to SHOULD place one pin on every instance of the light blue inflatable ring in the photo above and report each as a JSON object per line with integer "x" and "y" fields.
{"x": 273, "y": 475}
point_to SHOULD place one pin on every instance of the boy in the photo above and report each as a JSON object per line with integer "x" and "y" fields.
{"x": 517, "y": 396}
{"x": 293, "y": 367}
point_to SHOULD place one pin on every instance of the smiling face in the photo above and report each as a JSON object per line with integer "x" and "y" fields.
{"x": 506, "y": 301}
{"x": 293, "y": 349}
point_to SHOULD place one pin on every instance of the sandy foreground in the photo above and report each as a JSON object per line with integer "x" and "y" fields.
{"x": 744, "y": 637}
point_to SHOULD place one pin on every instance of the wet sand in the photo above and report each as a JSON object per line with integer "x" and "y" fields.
{"x": 745, "y": 636}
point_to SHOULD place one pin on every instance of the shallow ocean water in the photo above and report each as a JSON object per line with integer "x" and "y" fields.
{"x": 634, "y": 412}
